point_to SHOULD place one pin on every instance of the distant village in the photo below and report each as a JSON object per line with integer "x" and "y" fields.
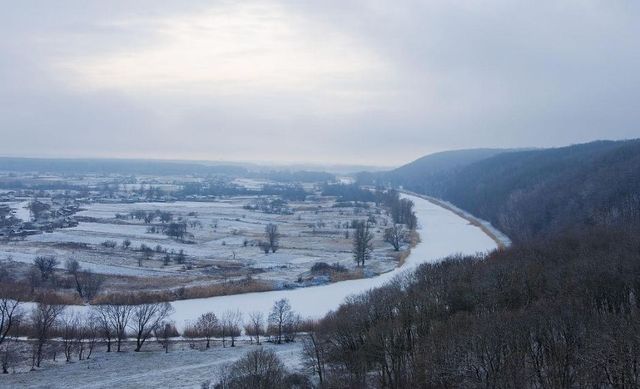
{"x": 20, "y": 217}
{"x": 31, "y": 205}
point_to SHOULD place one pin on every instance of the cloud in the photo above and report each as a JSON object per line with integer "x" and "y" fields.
{"x": 359, "y": 81}
{"x": 235, "y": 50}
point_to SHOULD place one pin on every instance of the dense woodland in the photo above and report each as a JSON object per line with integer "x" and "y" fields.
{"x": 551, "y": 314}
{"x": 559, "y": 309}
{"x": 533, "y": 193}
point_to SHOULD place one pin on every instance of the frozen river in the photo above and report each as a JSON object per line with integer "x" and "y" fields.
{"x": 442, "y": 233}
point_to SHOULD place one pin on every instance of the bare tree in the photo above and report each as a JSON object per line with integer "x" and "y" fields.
{"x": 273, "y": 237}
{"x": 165, "y": 217}
{"x": 148, "y": 217}
{"x": 73, "y": 268}
{"x": 114, "y": 320}
{"x": 291, "y": 327}
{"x": 362, "y": 246}
{"x": 395, "y": 236}
{"x": 72, "y": 265}
{"x": 145, "y": 319}
{"x": 69, "y": 325}
{"x": 207, "y": 326}
{"x": 181, "y": 257}
{"x": 46, "y": 266}
{"x": 43, "y": 318}
{"x": 264, "y": 246}
{"x": 176, "y": 230}
{"x": 281, "y": 314}
{"x": 90, "y": 284}
{"x": 9, "y": 355}
{"x": 10, "y": 315}
{"x": 163, "y": 334}
{"x": 100, "y": 316}
{"x": 90, "y": 333}
{"x": 314, "y": 352}
{"x": 255, "y": 327}
{"x": 230, "y": 325}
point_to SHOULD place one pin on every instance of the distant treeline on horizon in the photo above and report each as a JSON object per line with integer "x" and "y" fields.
{"x": 152, "y": 167}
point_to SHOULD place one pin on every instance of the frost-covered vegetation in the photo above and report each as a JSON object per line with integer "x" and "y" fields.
{"x": 558, "y": 308}
{"x": 169, "y": 238}
{"x": 278, "y": 320}
{"x": 44, "y": 336}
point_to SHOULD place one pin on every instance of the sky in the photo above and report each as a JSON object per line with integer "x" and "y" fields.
{"x": 335, "y": 81}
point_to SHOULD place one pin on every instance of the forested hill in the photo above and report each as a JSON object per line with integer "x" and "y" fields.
{"x": 429, "y": 168}
{"x": 535, "y": 193}
{"x": 558, "y": 309}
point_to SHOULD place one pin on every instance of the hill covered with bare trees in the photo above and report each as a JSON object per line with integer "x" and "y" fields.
{"x": 558, "y": 309}
{"x": 530, "y": 194}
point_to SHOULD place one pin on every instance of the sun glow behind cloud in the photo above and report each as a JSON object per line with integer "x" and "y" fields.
{"x": 242, "y": 49}
{"x": 357, "y": 81}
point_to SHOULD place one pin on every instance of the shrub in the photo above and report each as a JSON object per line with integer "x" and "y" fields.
{"x": 110, "y": 244}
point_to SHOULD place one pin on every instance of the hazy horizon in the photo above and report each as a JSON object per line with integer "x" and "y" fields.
{"x": 344, "y": 83}
{"x": 286, "y": 165}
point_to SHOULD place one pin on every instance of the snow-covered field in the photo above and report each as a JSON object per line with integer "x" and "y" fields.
{"x": 22, "y": 211}
{"x": 181, "y": 367}
{"x": 442, "y": 233}
{"x": 224, "y": 233}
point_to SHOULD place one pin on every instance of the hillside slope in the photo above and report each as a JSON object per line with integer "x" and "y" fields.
{"x": 557, "y": 309}
{"x": 538, "y": 193}
{"x": 428, "y": 170}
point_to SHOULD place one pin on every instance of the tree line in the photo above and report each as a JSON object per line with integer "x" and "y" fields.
{"x": 550, "y": 314}
{"x": 55, "y": 331}
{"x": 538, "y": 193}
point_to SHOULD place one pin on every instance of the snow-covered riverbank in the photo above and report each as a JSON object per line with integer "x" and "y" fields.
{"x": 442, "y": 233}
{"x": 498, "y": 236}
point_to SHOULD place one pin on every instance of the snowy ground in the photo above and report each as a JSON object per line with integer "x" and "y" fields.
{"x": 442, "y": 233}
{"x": 21, "y": 210}
{"x": 181, "y": 367}
{"x": 313, "y": 233}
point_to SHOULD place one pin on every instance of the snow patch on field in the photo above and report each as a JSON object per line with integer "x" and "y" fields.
{"x": 22, "y": 211}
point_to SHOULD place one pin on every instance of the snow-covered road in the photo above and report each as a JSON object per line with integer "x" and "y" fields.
{"x": 442, "y": 233}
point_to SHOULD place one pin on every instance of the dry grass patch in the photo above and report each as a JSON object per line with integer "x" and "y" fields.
{"x": 187, "y": 292}
{"x": 346, "y": 276}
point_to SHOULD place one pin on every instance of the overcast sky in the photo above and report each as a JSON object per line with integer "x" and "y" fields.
{"x": 369, "y": 82}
